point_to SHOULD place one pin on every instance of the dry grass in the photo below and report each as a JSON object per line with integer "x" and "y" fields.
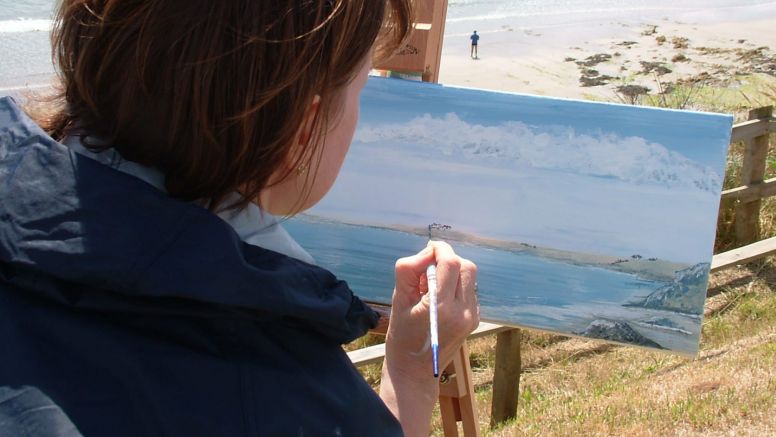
{"x": 580, "y": 387}
{"x": 572, "y": 386}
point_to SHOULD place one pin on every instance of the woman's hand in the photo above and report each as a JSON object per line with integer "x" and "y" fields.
{"x": 408, "y": 385}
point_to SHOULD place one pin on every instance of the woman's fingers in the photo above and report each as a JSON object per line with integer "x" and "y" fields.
{"x": 448, "y": 269}
{"x": 467, "y": 282}
{"x": 456, "y": 299}
{"x": 466, "y": 305}
{"x": 408, "y": 331}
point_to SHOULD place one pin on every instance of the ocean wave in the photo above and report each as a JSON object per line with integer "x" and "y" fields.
{"x": 551, "y": 10}
{"x": 575, "y": 13}
{"x": 25, "y": 25}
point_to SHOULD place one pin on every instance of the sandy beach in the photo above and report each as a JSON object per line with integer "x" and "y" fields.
{"x": 573, "y": 49}
{"x": 591, "y": 60}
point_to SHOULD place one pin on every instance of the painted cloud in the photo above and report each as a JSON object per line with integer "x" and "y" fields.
{"x": 603, "y": 154}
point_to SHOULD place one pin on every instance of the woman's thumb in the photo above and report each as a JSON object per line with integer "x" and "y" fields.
{"x": 409, "y": 271}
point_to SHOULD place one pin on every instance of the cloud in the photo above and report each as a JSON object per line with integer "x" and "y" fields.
{"x": 602, "y": 154}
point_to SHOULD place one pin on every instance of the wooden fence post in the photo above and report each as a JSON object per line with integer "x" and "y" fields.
{"x": 747, "y": 214}
{"x": 506, "y": 377}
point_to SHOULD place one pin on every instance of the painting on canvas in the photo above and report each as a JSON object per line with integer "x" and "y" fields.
{"x": 584, "y": 218}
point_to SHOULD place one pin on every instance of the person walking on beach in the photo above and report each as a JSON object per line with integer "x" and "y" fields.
{"x": 474, "y": 39}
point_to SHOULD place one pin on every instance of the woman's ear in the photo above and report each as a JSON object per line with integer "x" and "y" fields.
{"x": 309, "y": 121}
{"x": 275, "y": 198}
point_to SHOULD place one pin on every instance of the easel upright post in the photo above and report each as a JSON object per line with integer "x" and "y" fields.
{"x": 456, "y": 397}
{"x": 421, "y": 55}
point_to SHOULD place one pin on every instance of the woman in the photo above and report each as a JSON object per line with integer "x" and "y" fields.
{"x": 145, "y": 288}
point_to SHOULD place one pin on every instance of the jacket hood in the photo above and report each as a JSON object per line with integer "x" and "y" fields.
{"x": 80, "y": 233}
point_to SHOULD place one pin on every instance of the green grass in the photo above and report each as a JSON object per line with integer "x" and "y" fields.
{"x": 744, "y": 92}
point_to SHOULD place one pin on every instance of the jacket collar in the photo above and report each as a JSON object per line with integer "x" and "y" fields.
{"x": 67, "y": 219}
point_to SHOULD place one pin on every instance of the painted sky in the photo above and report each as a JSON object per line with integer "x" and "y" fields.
{"x": 693, "y": 134}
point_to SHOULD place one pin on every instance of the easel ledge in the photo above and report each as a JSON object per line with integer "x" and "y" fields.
{"x": 375, "y": 354}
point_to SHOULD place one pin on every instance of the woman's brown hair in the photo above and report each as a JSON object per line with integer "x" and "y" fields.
{"x": 212, "y": 93}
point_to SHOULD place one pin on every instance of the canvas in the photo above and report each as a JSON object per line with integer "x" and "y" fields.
{"x": 584, "y": 218}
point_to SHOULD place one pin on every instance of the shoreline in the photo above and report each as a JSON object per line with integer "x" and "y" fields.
{"x": 589, "y": 57}
{"x": 650, "y": 269}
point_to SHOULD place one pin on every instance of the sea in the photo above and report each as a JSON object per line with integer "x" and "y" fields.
{"x": 26, "y": 59}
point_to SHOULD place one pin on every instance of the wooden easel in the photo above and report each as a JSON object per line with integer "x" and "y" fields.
{"x": 422, "y": 52}
{"x": 421, "y": 55}
{"x": 456, "y": 396}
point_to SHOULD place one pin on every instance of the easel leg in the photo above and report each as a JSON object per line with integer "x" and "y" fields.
{"x": 456, "y": 397}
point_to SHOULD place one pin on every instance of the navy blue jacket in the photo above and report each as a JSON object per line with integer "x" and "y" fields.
{"x": 138, "y": 314}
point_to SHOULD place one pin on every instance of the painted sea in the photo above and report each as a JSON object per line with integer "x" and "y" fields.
{"x": 533, "y": 291}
